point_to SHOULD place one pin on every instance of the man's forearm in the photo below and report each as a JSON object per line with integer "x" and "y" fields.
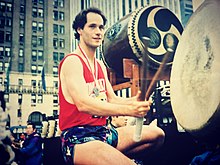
{"x": 122, "y": 100}
{"x": 100, "y": 108}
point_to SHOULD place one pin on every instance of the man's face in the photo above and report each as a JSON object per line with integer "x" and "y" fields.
{"x": 29, "y": 129}
{"x": 93, "y": 31}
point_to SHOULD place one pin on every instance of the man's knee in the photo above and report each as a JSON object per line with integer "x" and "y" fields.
{"x": 158, "y": 136}
{"x": 155, "y": 134}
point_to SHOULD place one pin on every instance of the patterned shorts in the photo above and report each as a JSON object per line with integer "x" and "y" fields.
{"x": 83, "y": 134}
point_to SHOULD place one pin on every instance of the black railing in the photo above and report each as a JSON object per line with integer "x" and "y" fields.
{"x": 30, "y": 89}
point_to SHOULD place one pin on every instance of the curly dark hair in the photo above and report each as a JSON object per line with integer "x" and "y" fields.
{"x": 80, "y": 19}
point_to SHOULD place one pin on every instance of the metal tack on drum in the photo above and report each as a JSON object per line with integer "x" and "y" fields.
{"x": 125, "y": 39}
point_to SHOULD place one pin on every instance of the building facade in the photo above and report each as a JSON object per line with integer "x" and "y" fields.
{"x": 34, "y": 35}
{"x": 186, "y": 7}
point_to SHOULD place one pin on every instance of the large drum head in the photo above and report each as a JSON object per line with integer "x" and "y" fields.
{"x": 127, "y": 38}
{"x": 195, "y": 74}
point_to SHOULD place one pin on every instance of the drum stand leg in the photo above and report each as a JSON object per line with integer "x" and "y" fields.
{"x": 131, "y": 71}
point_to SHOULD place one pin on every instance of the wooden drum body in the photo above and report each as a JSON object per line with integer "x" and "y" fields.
{"x": 195, "y": 74}
{"x": 126, "y": 38}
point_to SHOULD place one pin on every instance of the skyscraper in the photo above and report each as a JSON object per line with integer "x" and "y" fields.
{"x": 33, "y": 33}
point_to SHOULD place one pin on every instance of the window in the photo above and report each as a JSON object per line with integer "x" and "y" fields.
{"x": 6, "y": 97}
{"x": 165, "y": 4}
{"x": 2, "y": 22}
{"x": 39, "y": 68}
{"x": 55, "y": 15}
{"x": 55, "y": 99}
{"x": 2, "y": 36}
{"x": 22, "y": 9}
{"x": 55, "y": 112}
{"x": 1, "y": 51}
{"x": 20, "y": 67}
{"x": 40, "y": 55}
{"x": 61, "y": 56}
{"x": 21, "y": 23}
{"x": 21, "y": 38}
{"x": 40, "y": 41}
{"x": 40, "y": 98}
{"x": 8, "y": 36}
{"x": 170, "y": 5}
{"x": 62, "y": 29}
{"x": 34, "y": 1}
{"x": 40, "y": 13}
{"x": 55, "y": 84}
{"x": 7, "y": 51}
{"x": 55, "y": 28}
{"x": 176, "y": 7}
{"x": 41, "y": 1}
{"x": 34, "y": 12}
{"x": 55, "y": 3}
{"x": 33, "y": 68}
{"x": 33, "y": 98}
{"x": 9, "y": 7}
{"x": 2, "y": 6}
{"x": 34, "y": 25}
{"x": 61, "y": 3}
{"x": 19, "y": 114}
{"x": 62, "y": 43}
{"x": 189, "y": 6}
{"x": 19, "y": 99}
{"x": 41, "y": 26}
{"x": 6, "y": 65}
{"x": 21, "y": 52}
{"x": 1, "y": 69}
{"x": 34, "y": 55}
{"x": 1, "y": 79}
{"x": 55, "y": 42}
{"x": 36, "y": 118}
{"x": 55, "y": 70}
{"x": 61, "y": 16}
{"x": 55, "y": 56}
{"x": 8, "y": 22}
{"x": 34, "y": 41}
{"x": 20, "y": 82}
{"x": 33, "y": 83}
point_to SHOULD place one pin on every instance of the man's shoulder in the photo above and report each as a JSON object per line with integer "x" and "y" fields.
{"x": 72, "y": 60}
{"x": 36, "y": 136}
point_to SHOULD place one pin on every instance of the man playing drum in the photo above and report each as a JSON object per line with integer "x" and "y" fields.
{"x": 86, "y": 99}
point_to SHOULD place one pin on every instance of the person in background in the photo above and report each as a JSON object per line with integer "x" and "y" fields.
{"x": 31, "y": 151}
{"x": 86, "y": 99}
{"x": 22, "y": 138}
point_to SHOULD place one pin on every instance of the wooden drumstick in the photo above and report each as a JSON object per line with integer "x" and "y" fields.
{"x": 143, "y": 89}
{"x": 158, "y": 73}
{"x": 139, "y": 121}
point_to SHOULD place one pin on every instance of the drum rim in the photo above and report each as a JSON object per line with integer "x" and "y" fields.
{"x": 211, "y": 129}
{"x": 133, "y": 37}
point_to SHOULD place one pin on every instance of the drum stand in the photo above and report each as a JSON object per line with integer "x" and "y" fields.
{"x": 131, "y": 71}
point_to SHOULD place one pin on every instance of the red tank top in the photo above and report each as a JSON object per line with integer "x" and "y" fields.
{"x": 69, "y": 115}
